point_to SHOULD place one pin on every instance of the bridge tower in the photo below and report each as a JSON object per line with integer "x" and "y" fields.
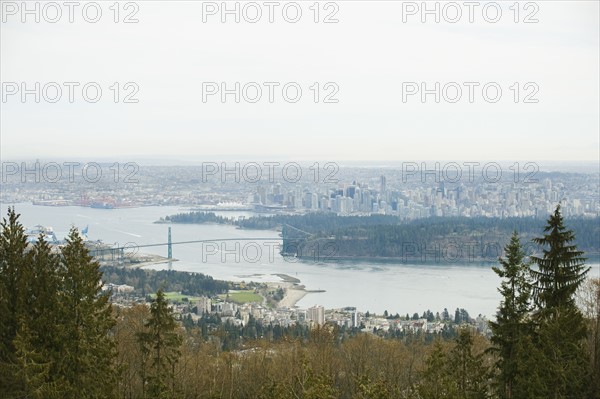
{"x": 170, "y": 246}
{"x": 283, "y": 239}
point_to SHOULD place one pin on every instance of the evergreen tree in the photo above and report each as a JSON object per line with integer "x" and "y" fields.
{"x": 458, "y": 373}
{"x": 563, "y": 368}
{"x": 45, "y": 310}
{"x": 512, "y": 317}
{"x": 561, "y": 327}
{"x": 31, "y": 369}
{"x": 436, "y": 380}
{"x": 37, "y": 342}
{"x": 88, "y": 351}
{"x": 160, "y": 342}
{"x": 15, "y": 268}
{"x": 529, "y": 381}
{"x": 467, "y": 368}
{"x": 561, "y": 268}
{"x": 445, "y": 315}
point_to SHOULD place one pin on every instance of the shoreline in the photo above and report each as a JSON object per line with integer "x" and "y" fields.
{"x": 292, "y": 296}
{"x": 148, "y": 260}
{"x": 294, "y": 291}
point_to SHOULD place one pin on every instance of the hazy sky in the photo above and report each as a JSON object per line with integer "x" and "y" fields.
{"x": 369, "y": 55}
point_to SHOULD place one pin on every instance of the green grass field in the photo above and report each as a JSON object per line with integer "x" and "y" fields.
{"x": 244, "y": 296}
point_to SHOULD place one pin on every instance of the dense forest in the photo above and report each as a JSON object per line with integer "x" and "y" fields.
{"x": 149, "y": 281}
{"x": 311, "y": 222}
{"x": 329, "y": 236}
{"x": 60, "y": 337}
{"x": 316, "y": 222}
{"x": 195, "y": 217}
{"x": 435, "y": 239}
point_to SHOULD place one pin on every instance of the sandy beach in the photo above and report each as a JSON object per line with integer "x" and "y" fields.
{"x": 293, "y": 294}
{"x": 294, "y": 291}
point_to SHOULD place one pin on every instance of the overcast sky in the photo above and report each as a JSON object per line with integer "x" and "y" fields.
{"x": 367, "y": 55}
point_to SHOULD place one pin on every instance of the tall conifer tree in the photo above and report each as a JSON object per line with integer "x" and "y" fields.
{"x": 561, "y": 267}
{"x": 88, "y": 352}
{"x": 467, "y": 368}
{"x": 14, "y": 270}
{"x": 15, "y": 267}
{"x": 561, "y": 328}
{"x": 160, "y": 344}
{"x": 512, "y": 319}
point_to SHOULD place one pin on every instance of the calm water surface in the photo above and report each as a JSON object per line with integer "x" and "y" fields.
{"x": 374, "y": 286}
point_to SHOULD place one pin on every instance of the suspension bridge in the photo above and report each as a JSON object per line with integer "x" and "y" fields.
{"x": 118, "y": 252}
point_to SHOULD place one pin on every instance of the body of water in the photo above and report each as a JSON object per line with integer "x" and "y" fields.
{"x": 375, "y": 286}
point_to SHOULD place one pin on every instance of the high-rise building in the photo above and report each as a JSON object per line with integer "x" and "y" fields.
{"x": 338, "y": 204}
{"x": 262, "y": 193}
{"x": 350, "y": 191}
{"x": 308, "y": 200}
{"x": 382, "y": 184}
{"x": 204, "y": 305}
{"x": 316, "y": 314}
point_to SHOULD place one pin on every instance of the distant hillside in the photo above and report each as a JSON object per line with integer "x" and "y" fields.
{"x": 325, "y": 236}
{"x": 460, "y": 238}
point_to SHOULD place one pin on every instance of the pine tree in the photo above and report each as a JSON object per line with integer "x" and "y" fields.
{"x": 160, "y": 343}
{"x": 529, "y": 381}
{"x": 445, "y": 315}
{"x": 45, "y": 308}
{"x": 561, "y": 268}
{"x": 88, "y": 351}
{"x": 512, "y": 322}
{"x": 467, "y": 368}
{"x": 563, "y": 368}
{"x": 37, "y": 342}
{"x": 14, "y": 270}
{"x": 561, "y": 328}
{"x": 15, "y": 267}
{"x": 31, "y": 369}
{"x": 437, "y": 381}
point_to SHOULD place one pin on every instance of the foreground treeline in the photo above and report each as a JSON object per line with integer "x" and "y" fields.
{"x": 324, "y": 365}
{"x": 61, "y": 338}
{"x": 55, "y": 326}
